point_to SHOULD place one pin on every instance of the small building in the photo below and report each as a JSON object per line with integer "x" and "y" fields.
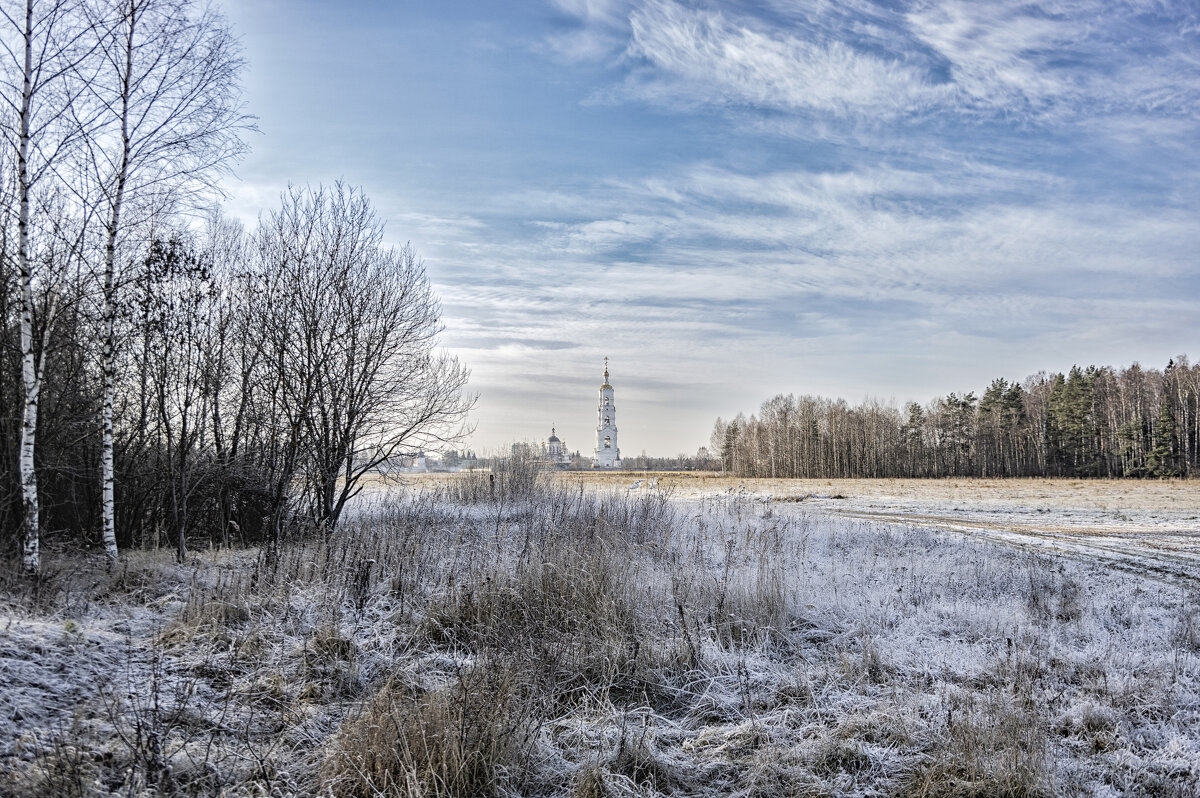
{"x": 556, "y": 450}
{"x": 553, "y": 452}
{"x": 406, "y": 464}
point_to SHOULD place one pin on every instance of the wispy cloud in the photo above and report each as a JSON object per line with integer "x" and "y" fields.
{"x": 719, "y": 268}
{"x": 1052, "y": 62}
{"x": 705, "y": 56}
{"x": 851, "y": 197}
{"x": 986, "y": 184}
{"x": 1066, "y": 60}
{"x": 598, "y": 32}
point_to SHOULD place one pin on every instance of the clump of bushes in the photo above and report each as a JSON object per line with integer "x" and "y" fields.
{"x": 461, "y": 740}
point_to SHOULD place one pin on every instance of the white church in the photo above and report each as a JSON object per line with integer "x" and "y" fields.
{"x": 607, "y": 454}
{"x": 554, "y": 453}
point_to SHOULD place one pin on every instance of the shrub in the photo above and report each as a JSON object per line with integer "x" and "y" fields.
{"x": 466, "y": 739}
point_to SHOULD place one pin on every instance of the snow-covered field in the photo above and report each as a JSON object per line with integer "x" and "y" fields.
{"x": 1149, "y": 528}
{"x": 1143, "y": 527}
{"x": 750, "y": 639}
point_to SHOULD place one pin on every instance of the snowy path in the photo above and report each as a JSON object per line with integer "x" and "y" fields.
{"x": 1157, "y": 547}
{"x": 1147, "y": 529}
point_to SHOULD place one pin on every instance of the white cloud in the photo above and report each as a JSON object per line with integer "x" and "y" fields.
{"x": 705, "y": 56}
{"x": 609, "y": 12}
{"x": 1064, "y": 60}
{"x": 600, "y": 34}
{"x": 988, "y": 46}
{"x": 975, "y": 216}
{"x": 1055, "y": 62}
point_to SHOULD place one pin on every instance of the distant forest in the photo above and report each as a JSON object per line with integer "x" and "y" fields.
{"x": 1090, "y": 422}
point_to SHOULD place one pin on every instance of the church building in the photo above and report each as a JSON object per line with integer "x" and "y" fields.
{"x": 554, "y": 452}
{"x": 607, "y": 454}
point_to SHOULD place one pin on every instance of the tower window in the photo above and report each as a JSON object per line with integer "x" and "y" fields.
{"x": 607, "y": 420}
{"x": 607, "y": 441}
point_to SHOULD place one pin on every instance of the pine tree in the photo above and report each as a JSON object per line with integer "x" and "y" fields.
{"x": 1162, "y": 461}
{"x": 729, "y": 446}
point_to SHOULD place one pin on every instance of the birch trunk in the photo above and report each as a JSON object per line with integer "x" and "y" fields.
{"x": 108, "y": 512}
{"x": 107, "y": 468}
{"x": 174, "y": 69}
{"x": 30, "y": 560}
{"x": 30, "y": 373}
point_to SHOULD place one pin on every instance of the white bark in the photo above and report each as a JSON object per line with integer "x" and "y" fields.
{"x": 173, "y": 95}
{"x": 107, "y": 365}
{"x": 30, "y": 377}
{"x": 30, "y": 373}
{"x": 109, "y": 309}
{"x": 42, "y": 51}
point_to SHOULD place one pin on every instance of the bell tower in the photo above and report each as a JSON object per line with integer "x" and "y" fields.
{"x": 607, "y": 455}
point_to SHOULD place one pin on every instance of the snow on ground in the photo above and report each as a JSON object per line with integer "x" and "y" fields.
{"x": 1149, "y": 528}
{"x": 746, "y": 639}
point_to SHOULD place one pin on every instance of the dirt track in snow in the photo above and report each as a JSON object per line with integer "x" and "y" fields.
{"x": 1145, "y": 527}
{"x": 1148, "y": 551}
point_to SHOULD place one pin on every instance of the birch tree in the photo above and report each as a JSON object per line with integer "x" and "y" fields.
{"x": 1093, "y": 421}
{"x": 170, "y": 98}
{"x": 45, "y": 50}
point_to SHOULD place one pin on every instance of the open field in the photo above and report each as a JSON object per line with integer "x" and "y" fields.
{"x": 1167, "y": 498}
{"x": 587, "y": 638}
{"x": 1147, "y": 526}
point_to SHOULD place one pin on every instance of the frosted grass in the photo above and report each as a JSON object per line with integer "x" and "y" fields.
{"x": 717, "y": 646}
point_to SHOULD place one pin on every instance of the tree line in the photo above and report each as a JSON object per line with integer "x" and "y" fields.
{"x": 1089, "y": 422}
{"x": 167, "y": 376}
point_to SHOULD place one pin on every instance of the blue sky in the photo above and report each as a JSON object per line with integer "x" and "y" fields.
{"x": 733, "y": 200}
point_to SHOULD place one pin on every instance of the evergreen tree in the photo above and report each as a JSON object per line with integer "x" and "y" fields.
{"x": 1072, "y": 429}
{"x": 1093, "y": 421}
{"x": 912, "y": 438}
{"x": 1162, "y": 461}
{"x": 729, "y": 446}
{"x": 991, "y": 428}
{"x": 958, "y": 432}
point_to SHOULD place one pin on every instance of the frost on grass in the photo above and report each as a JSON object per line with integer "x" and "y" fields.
{"x": 547, "y": 640}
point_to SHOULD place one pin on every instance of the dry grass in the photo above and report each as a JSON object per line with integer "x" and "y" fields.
{"x": 1179, "y": 495}
{"x": 461, "y": 740}
{"x": 995, "y": 744}
{"x": 561, "y": 640}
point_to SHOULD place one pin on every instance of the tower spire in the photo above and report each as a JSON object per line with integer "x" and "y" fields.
{"x": 606, "y": 455}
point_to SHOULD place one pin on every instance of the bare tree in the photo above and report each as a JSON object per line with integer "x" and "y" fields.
{"x": 383, "y": 390}
{"x": 169, "y": 92}
{"x": 231, "y": 357}
{"x": 181, "y": 333}
{"x": 45, "y": 47}
{"x": 350, "y": 329}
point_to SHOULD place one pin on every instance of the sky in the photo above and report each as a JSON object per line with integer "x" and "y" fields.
{"x": 732, "y": 200}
